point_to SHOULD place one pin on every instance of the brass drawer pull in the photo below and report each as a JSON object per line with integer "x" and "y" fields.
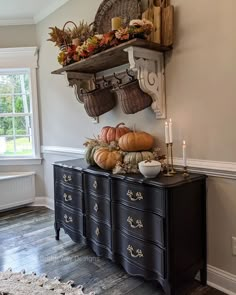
{"x": 97, "y": 232}
{"x": 139, "y": 223}
{"x": 67, "y": 198}
{"x": 139, "y": 253}
{"x": 67, "y": 178}
{"x": 68, "y": 219}
{"x": 138, "y": 195}
{"x": 95, "y": 207}
{"x": 95, "y": 184}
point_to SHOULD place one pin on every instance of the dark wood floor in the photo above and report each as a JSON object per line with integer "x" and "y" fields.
{"x": 27, "y": 242}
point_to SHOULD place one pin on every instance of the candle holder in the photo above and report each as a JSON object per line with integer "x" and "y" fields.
{"x": 172, "y": 171}
{"x": 167, "y": 174}
{"x": 185, "y": 173}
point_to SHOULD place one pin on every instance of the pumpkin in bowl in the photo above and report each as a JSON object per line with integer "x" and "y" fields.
{"x": 106, "y": 158}
{"x": 136, "y": 141}
{"x": 109, "y": 134}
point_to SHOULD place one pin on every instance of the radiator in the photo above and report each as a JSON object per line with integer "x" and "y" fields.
{"x": 16, "y": 189}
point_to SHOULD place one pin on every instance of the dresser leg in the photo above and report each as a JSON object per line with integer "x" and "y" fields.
{"x": 170, "y": 290}
{"x": 57, "y": 231}
{"x": 203, "y": 276}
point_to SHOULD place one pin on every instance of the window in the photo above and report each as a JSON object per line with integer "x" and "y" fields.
{"x": 19, "y": 134}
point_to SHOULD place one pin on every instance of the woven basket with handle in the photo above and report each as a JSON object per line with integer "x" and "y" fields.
{"x": 126, "y": 9}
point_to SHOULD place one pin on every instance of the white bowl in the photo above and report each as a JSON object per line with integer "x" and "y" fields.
{"x": 149, "y": 169}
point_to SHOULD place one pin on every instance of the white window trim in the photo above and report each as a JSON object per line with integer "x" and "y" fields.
{"x": 16, "y": 58}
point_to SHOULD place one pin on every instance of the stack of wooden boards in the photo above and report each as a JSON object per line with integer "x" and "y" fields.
{"x": 161, "y": 14}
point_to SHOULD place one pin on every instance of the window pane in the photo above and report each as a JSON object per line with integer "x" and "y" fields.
{"x": 4, "y": 149}
{"x": 23, "y": 146}
{"x": 5, "y": 104}
{"x": 6, "y": 84}
{"x": 15, "y": 146}
{"x": 23, "y": 125}
{"x": 22, "y": 103}
{"x": 6, "y": 126}
{"x": 14, "y": 83}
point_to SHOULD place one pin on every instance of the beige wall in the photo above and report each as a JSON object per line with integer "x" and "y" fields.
{"x": 201, "y": 87}
{"x": 17, "y": 36}
{"x": 22, "y": 36}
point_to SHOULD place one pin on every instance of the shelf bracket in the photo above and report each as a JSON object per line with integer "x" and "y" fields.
{"x": 149, "y": 65}
{"x": 78, "y": 81}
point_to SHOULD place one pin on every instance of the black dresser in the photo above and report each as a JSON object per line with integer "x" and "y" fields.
{"x": 154, "y": 228}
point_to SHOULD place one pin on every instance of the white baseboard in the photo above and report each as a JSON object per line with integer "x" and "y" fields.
{"x": 221, "y": 280}
{"x": 43, "y": 202}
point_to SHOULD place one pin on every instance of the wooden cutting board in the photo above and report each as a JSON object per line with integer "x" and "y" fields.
{"x": 153, "y": 13}
{"x": 167, "y": 23}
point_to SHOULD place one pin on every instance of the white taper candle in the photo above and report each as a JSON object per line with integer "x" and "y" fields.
{"x": 167, "y": 138}
{"x": 170, "y": 132}
{"x": 184, "y": 154}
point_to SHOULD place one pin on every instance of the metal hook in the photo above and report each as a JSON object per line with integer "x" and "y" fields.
{"x": 131, "y": 77}
{"x": 119, "y": 81}
{"x": 105, "y": 82}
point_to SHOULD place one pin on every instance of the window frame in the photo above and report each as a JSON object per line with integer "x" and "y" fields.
{"x": 16, "y": 59}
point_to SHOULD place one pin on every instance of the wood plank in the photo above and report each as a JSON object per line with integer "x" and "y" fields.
{"x": 110, "y": 58}
{"x": 31, "y": 245}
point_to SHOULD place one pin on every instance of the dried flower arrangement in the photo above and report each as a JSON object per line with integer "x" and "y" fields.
{"x": 88, "y": 44}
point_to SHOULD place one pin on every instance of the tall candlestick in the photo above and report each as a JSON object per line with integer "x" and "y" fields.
{"x": 170, "y": 132}
{"x": 115, "y": 23}
{"x": 184, "y": 154}
{"x": 167, "y": 137}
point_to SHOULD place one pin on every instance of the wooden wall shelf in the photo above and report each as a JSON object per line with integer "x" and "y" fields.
{"x": 110, "y": 58}
{"x": 145, "y": 58}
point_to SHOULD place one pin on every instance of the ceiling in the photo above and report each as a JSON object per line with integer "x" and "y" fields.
{"x": 20, "y": 12}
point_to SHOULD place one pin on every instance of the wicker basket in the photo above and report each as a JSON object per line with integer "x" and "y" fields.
{"x": 132, "y": 98}
{"x": 126, "y": 9}
{"x": 98, "y": 101}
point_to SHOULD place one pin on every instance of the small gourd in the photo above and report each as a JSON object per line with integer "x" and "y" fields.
{"x": 134, "y": 158}
{"x": 89, "y": 154}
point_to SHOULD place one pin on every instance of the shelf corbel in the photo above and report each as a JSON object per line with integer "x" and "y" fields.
{"x": 78, "y": 81}
{"x": 150, "y": 68}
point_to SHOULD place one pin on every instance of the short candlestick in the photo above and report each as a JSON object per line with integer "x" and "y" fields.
{"x": 171, "y": 158}
{"x": 185, "y": 173}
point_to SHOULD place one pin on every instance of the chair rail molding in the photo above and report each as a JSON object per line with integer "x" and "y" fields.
{"x": 150, "y": 68}
{"x": 208, "y": 167}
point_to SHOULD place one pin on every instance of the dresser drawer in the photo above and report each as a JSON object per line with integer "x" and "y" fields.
{"x": 98, "y": 232}
{"x": 68, "y": 176}
{"x": 139, "y": 196}
{"x": 98, "y": 207}
{"x": 69, "y": 218}
{"x": 143, "y": 225}
{"x": 98, "y": 185}
{"x": 145, "y": 255}
{"x": 69, "y": 197}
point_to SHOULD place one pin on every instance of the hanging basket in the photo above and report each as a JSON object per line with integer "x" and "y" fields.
{"x": 132, "y": 98}
{"x": 98, "y": 101}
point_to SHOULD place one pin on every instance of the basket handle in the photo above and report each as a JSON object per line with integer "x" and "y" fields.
{"x": 63, "y": 29}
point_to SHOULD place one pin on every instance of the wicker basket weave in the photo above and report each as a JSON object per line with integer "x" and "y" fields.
{"x": 98, "y": 101}
{"x": 126, "y": 9}
{"x": 132, "y": 98}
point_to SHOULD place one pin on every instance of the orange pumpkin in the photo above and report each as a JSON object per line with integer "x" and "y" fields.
{"x": 136, "y": 141}
{"x": 107, "y": 158}
{"x": 109, "y": 134}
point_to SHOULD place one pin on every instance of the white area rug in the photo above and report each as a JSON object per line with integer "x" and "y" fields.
{"x": 31, "y": 284}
